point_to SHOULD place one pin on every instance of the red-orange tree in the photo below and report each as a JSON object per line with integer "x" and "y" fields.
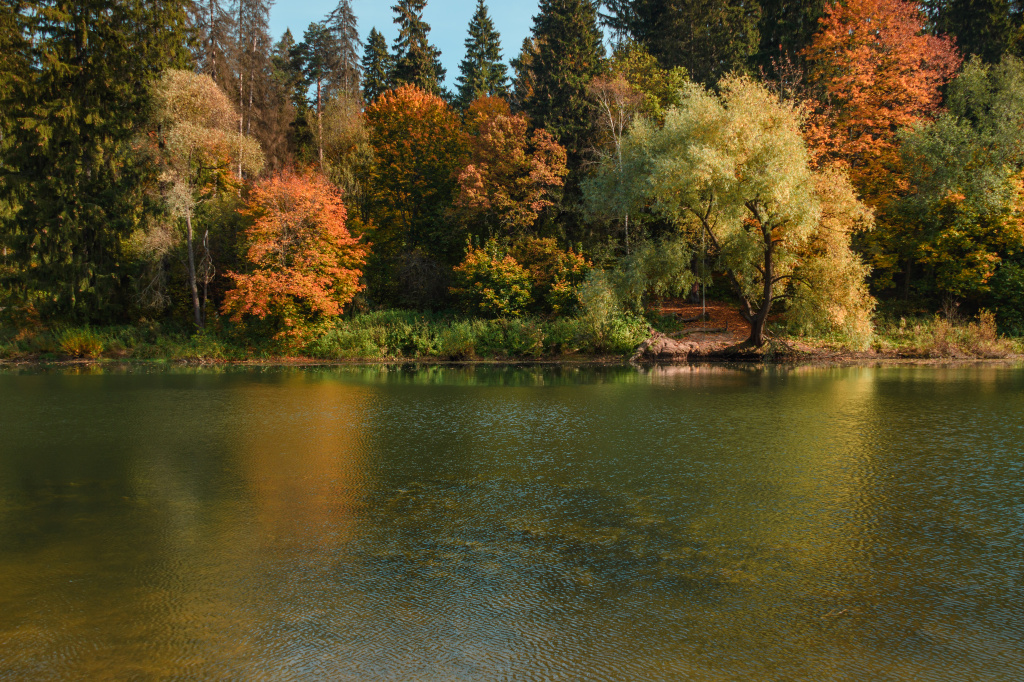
{"x": 877, "y": 71}
{"x": 305, "y": 264}
{"x": 419, "y": 146}
{"x": 512, "y": 176}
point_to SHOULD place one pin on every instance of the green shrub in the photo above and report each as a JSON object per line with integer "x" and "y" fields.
{"x": 457, "y": 341}
{"x": 1008, "y": 298}
{"x": 490, "y": 282}
{"x": 346, "y": 344}
{"x": 653, "y": 269}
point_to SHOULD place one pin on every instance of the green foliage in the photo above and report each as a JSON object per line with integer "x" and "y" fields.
{"x": 989, "y": 29}
{"x": 1008, "y": 297}
{"x": 939, "y": 337}
{"x": 568, "y": 55}
{"x": 654, "y": 269}
{"x": 416, "y": 61}
{"x": 377, "y": 67}
{"x": 77, "y": 192}
{"x": 966, "y": 211}
{"x": 490, "y": 282}
{"x": 482, "y": 72}
{"x": 709, "y": 38}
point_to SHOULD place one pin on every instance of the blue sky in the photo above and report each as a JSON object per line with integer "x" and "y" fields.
{"x": 448, "y": 19}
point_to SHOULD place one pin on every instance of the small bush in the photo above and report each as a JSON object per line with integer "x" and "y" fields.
{"x": 490, "y": 282}
{"x": 556, "y": 275}
{"x": 80, "y": 343}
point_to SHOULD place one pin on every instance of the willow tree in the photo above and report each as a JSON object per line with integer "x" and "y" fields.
{"x": 197, "y": 147}
{"x": 734, "y": 169}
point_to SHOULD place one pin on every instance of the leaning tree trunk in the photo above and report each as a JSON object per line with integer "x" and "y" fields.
{"x": 197, "y": 312}
{"x": 760, "y": 318}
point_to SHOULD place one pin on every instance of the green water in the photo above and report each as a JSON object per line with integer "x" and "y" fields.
{"x": 695, "y": 523}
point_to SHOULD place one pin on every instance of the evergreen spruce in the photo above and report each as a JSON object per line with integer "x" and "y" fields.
{"x": 568, "y": 57}
{"x": 377, "y": 67}
{"x": 344, "y": 30}
{"x": 482, "y": 73}
{"x": 416, "y": 61}
{"x": 786, "y": 28}
{"x": 709, "y": 38}
{"x": 987, "y": 28}
{"x": 77, "y": 188}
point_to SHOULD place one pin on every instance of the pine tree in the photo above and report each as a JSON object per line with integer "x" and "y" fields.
{"x": 77, "y": 188}
{"x": 344, "y": 30}
{"x": 377, "y": 67}
{"x": 986, "y": 28}
{"x": 709, "y": 38}
{"x": 568, "y": 57}
{"x": 416, "y": 61}
{"x": 482, "y": 73}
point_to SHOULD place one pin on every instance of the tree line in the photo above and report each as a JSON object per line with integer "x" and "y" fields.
{"x": 172, "y": 160}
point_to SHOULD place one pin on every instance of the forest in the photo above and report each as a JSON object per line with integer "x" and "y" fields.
{"x": 177, "y": 182}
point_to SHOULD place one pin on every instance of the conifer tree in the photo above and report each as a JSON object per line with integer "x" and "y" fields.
{"x": 986, "y": 28}
{"x": 569, "y": 55}
{"x": 416, "y": 61}
{"x": 482, "y": 73}
{"x": 77, "y": 188}
{"x": 377, "y": 67}
{"x": 344, "y": 30}
{"x": 786, "y": 29}
{"x": 316, "y": 57}
{"x": 709, "y": 38}
{"x": 214, "y": 27}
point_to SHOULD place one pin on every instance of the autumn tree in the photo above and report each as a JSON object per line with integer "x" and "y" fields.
{"x": 481, "y": 72}
{"x": 878, "y": 72}
{"x": 197, "y": 148}
{"x": 734, "y": 169}
{"x": 512, "y": 175}
{"x": 377, "y": 67}
{"x": 419, "y": 146}
{"x": 303, "y": 263}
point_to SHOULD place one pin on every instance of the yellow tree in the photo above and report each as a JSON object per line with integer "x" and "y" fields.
{"x": 197, "y": 146}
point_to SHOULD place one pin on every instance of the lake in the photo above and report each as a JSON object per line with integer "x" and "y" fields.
{"x": 513, "y": 523}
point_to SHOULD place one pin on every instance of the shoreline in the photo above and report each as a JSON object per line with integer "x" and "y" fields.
{"x": 830, "y": 360}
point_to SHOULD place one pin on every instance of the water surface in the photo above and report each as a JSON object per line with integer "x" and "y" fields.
{"x": 693, "y": 523}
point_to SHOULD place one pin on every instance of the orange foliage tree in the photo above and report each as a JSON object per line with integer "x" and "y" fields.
{"x": 877, "y": 71}
{"x": 419, "y": 146}
{"x": 304, "y": 262}
{"x": 512, "y": 176}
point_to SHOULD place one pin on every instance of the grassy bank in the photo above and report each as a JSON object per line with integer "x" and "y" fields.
{"x": 383, "y": 335}
{"x": 406, "y": 335}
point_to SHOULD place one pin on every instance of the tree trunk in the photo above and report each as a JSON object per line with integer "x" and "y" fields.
{"x": 758, "y": 319}
{"x": 320, "y": 125}
{"x": 192, "y": 272}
